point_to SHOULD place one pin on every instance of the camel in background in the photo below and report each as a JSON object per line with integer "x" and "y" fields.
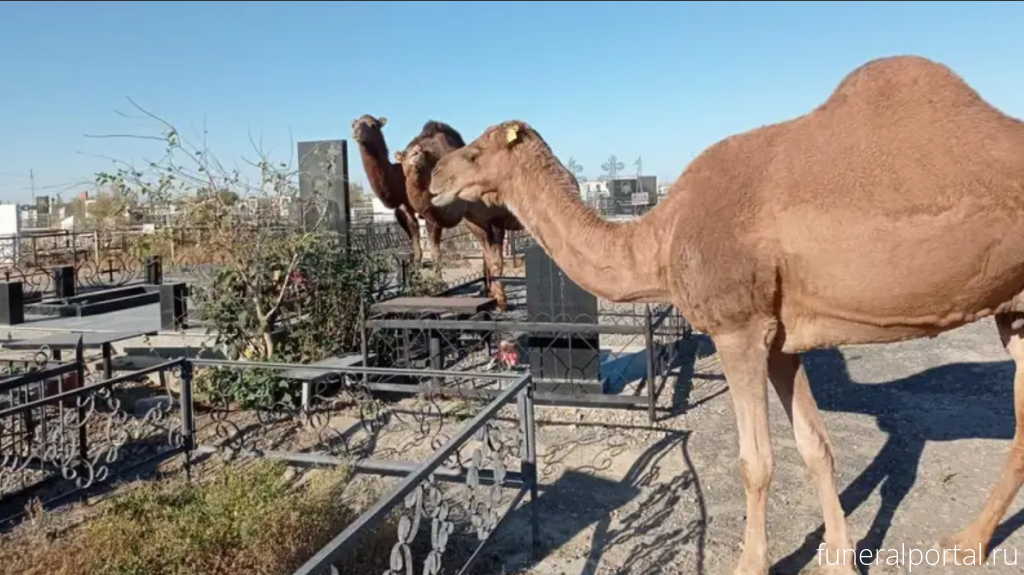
{"x": 388, "y": 183}
{"x": 488, "y": 224}
{"x": 889, "y": 212}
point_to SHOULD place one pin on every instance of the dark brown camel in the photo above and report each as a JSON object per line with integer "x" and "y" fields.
{"x": 388, "y": 183}
{"x": 487, "y": 223}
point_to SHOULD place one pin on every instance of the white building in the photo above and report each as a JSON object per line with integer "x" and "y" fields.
{"x": 593, "y": 189}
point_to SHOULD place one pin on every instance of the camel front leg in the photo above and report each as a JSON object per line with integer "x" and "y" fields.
{"x": 407, "y": 220}
{"x": 496, "y": 265}
{"x": 788, "y": 376}
{"x": 744, "y": 358}
{"x": 482, "y": 238}
{"x": 970, "y": 546}
{"x": 435, "y": 231}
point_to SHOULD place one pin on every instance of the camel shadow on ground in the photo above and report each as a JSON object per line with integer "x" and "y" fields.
{"x": 579, "y": 499}
{"x": 947, "y": 403}
{"x": 686, "y": 395}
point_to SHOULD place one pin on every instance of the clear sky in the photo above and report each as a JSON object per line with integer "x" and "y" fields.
{"x": 659, "y": 80}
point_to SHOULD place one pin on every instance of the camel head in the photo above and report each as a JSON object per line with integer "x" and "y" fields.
{"x": 476, "y": 172}
{"x": 416, "y": 166}
{"x": 368, "y": 130}
{"x": 412, "y": 160}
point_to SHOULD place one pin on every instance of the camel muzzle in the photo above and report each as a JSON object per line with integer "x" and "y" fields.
{"x": 443, "y": 199}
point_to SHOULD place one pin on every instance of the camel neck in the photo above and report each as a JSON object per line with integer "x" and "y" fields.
{"x": 379, "y": 171}
{"x": 617, "y": 261}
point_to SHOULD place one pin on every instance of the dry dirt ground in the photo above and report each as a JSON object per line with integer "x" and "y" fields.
{"x": 920, "y": 429}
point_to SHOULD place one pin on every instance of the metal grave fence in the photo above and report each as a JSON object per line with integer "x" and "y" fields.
{"x": 462, "y": 463}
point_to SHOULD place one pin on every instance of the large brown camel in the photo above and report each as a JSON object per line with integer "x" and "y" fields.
{"x": 488, "y": 224}
{"x": 890, "y": 212}
{"x": 388, "y": 183}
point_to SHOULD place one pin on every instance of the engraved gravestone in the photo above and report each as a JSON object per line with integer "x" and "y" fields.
{"x": 323, "y": 184}
{"x": 552, "y": 297}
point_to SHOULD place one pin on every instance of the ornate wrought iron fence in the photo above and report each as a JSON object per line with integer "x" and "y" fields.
{"x": 390, "y": 237}
{"x": 463, "y": 462}
{"x": 463, "y": 479}
{"x": 63, "y": 427}
{"x": 623, "y": 358}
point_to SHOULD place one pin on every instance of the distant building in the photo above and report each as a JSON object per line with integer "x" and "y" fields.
{"x": 592, "y": 190}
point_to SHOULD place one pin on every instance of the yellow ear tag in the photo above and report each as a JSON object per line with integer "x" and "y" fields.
{"x": 511, "y": 133}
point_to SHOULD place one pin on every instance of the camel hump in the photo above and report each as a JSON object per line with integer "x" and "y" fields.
{"x": 433, "y": 129}
{"x": 892, "y": 78}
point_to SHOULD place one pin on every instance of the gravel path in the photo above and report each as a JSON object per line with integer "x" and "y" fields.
{"x": 921, "y": 430}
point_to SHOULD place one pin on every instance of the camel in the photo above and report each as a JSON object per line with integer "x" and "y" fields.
{"x": 388, "y": 183}
{"x": 488, "y": 224}
{"x": 889, "y": 212}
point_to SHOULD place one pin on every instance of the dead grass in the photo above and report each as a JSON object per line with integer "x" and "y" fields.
{"x": 243, "y": 521}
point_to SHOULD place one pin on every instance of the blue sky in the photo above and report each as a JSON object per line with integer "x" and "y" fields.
{"x": 661, "y": 81}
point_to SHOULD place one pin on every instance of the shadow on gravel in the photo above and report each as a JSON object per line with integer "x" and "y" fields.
{"x": 578, "y": 500}
{"x": 947, "y": 403}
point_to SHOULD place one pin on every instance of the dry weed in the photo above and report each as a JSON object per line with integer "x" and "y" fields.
{"x": 252, "y": 521}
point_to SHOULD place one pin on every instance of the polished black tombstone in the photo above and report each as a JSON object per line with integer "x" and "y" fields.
{"x": 12, "y": 303}
{"x": 552, "y": 297}
{"x": 64, "y": 281}
{"x": 173, "y": 306}
{"x": 154, "y": 270}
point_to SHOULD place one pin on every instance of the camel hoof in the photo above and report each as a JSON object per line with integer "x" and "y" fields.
{"x": 961, "y": 550}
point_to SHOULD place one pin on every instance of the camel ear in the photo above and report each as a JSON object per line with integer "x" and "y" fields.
{"x": 512, "y": 133}
{"x": 399, "y": 156}
{"x": 382, "y": 121}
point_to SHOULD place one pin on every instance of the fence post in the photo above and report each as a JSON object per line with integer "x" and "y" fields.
{"x": 96, "y": 245}
{"x": 154, "y": 270}
{"x": 83, "y": 438}
{"x": 187, "y": 419}
{"x": 528, "y": 459}
{"x": 173, "y": 306}
{"x": 652, "y": 396}
{"x": 364, "y": 345}
{"x": 12, "y": 303}
{"x": 64, "y": 281}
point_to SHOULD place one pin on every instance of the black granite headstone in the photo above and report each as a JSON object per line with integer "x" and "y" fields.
{"x": 64, "y": 281}
{"x": 12, "y": 303}
{"x": 154, "y": 270}
{"x": 324, "y": 185}
{"x": 173, "y": 306}
{"x": 552, "y": 297}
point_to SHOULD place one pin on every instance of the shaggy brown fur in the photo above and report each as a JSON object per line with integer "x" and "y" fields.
{"x": 388, "y": 182}
{"x": 892, "y": 211}
{"x": 487, "y": 224}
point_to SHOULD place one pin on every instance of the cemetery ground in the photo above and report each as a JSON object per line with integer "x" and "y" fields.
{"x": 920, "y": 430}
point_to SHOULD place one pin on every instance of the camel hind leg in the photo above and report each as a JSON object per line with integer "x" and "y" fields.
{"x": 978, "y": 534}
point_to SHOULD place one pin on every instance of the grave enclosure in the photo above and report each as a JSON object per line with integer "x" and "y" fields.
{"x": 555, "y": 345}
{"x": 580, "y": 351}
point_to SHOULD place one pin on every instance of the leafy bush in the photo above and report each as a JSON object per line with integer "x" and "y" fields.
{"x": 287, "y": 289}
